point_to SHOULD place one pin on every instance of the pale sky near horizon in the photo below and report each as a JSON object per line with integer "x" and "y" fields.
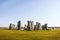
{"x": 43, "y": 11}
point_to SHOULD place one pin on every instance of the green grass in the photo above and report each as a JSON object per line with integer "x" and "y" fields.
{"x": 29, "y": 35}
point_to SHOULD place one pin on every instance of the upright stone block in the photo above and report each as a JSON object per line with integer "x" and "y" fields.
{"x": 32, "y": 25}
{"x": 44, "y": 27}
{"x": 25, "y": 27}
{"x": 11, "y": 26}
{"x": 19, "y": 25}
{"x": 28, "y": 25}
{"x": 38, "y": 25}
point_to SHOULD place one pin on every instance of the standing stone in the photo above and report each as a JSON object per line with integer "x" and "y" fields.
{"x": 38, "y": 25}
{"x": 44, "y": 27}
{"x": 25, "y": 27}
{"x": 32, "y": 25}
{"x": 11, "y": 26}
{"x": 28, "y": 25}
{"x": 19, "y": 25}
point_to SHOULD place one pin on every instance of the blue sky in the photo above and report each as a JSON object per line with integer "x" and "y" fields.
{"x": 43, "y": 11}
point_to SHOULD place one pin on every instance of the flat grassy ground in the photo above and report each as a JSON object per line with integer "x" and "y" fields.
{"x": 29, "y": 35}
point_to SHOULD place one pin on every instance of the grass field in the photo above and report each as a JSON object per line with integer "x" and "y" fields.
{"x": 29, "y": 35}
